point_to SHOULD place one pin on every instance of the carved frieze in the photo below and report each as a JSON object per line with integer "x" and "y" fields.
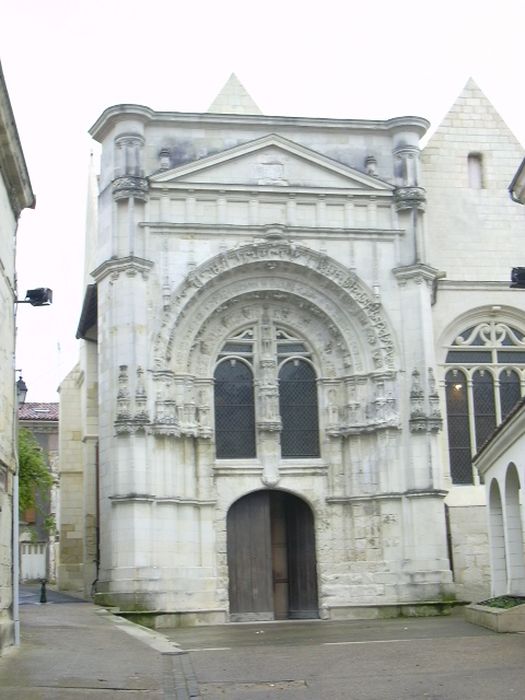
{"x": 130, "y": 186}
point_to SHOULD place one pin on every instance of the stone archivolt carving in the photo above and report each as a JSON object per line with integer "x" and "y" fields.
{"x": 425, "y": 412}
{"x": 297, "y": 270}
{"x": 273, "y": 285}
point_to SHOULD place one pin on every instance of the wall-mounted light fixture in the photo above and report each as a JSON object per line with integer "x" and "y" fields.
{"x": 42, "y": 296}
{"x": 21, "y": 391}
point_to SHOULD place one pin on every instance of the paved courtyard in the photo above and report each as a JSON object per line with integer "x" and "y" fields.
{"x": 432, "y": 658}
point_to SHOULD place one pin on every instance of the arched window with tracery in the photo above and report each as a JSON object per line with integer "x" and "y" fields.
{"x": 483, "y": 382}
{"x": 298, "y": 409}
{"x": 278, "y": 365}
{"x": 234, "y": 399}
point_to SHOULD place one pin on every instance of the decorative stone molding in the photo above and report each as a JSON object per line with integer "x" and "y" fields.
{"x": 132, "y": 414}
{"x": 177, "y": 413}
{"x": 130, "y": 186}
{"x": 129, "y": 265}
{"x": 425, "y": 413}
{"x": 141, "y": 399}
{"x": 419, "y": 273}
{"x": 409, "y": 198}
{"x": 305, "y": 276}
{"x": 128, "y": 155}
{"x": 372, "y": 407}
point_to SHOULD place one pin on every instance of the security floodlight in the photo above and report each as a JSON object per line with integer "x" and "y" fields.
{"x": 517, "y": 278}
{"x": 39, "y": 297}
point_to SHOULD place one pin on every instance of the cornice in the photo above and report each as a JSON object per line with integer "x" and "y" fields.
{"x": 12, "y": 161}
{"x": 473, "y": 285}
{"x": 387, "y": 496}
{"x": 418, "y": 271}
{"x": 129, "y": 265}
{"x": 271, "y": 231}
{"x": 112, "y": 115}
{"x": 289, "y": 192}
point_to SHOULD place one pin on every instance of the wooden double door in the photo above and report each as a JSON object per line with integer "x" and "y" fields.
{"x": 271, "y": 558}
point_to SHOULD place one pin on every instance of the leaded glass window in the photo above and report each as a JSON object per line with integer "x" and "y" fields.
{"x": 265, "y": 370}
{"x": 458, "y": 427}
{"x": 484, "y": 385}
{"x": 234, "y": 410}
{"x": 298, "y": 409}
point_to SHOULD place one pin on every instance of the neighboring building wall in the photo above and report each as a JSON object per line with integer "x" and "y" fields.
{"x": 71, "y": 522}
{"x": 502, "y": 465}
{"x": 474, "y": 235}
{"x": 41, "y": 419}
{"x": 15, "y": 195}
{"x": 78, "y": 522}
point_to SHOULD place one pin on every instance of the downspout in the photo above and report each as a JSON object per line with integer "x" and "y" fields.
{"x": 97, "y": 521}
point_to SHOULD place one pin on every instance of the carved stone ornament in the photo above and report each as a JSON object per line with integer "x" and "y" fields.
{"x": 132, "y": 415}
{"x": 425, "y": 413}
{"x": 130, "y": 186}
{"x": 410, "y": 198}
{"x": 300, "y": 275}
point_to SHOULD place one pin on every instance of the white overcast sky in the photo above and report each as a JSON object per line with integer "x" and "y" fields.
{"x": 65, "y": 61}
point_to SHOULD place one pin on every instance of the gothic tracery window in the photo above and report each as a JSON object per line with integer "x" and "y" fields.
{"x": 298, "y": 409}
{"x": 238, "y": 376}
{"x": 234, "y": 399}
{"x": 483, "y": 382}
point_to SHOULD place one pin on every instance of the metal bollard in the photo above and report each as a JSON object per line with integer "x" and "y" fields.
{"x": 43, "y": 597}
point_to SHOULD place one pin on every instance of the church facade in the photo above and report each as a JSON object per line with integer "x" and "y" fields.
{"x": 296, "y": 332}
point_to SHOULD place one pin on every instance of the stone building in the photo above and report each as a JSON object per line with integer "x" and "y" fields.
{"x": 15, "y": 195}
{"x": 38, "y": 542}
{"x": 501, "y": 464}
{"x": 296, "y": 332}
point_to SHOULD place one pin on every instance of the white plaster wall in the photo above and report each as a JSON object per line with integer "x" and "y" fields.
{"x": 7, "y": 435}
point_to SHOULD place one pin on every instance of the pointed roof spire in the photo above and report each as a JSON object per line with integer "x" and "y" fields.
{"x": 234, "y": 99}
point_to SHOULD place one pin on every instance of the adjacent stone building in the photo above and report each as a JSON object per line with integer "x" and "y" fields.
{"x": 38, "y": 542}
{"x": 297, "y": 332}
{"x": 15, "y": 195}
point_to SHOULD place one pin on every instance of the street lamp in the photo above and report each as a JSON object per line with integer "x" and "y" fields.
{"x": 21, "y": 391}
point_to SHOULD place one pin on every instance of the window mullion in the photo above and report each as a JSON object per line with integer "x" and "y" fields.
{"x": 472, "y": 423}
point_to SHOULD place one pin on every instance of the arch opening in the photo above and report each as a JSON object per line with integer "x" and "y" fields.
{"x": 271, "y": 558}
{"x": 497, "y": 541}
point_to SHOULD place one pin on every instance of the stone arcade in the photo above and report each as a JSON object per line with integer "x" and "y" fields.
{"x": 269, "y": 330}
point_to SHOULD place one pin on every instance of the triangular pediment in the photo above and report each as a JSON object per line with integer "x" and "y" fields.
{"x": 273, "y": 161}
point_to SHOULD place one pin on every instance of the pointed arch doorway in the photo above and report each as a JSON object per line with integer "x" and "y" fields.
{"x": 271, "y": 558}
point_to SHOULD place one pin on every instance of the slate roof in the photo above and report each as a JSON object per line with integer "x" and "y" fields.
{"x": 38, "y": 411}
